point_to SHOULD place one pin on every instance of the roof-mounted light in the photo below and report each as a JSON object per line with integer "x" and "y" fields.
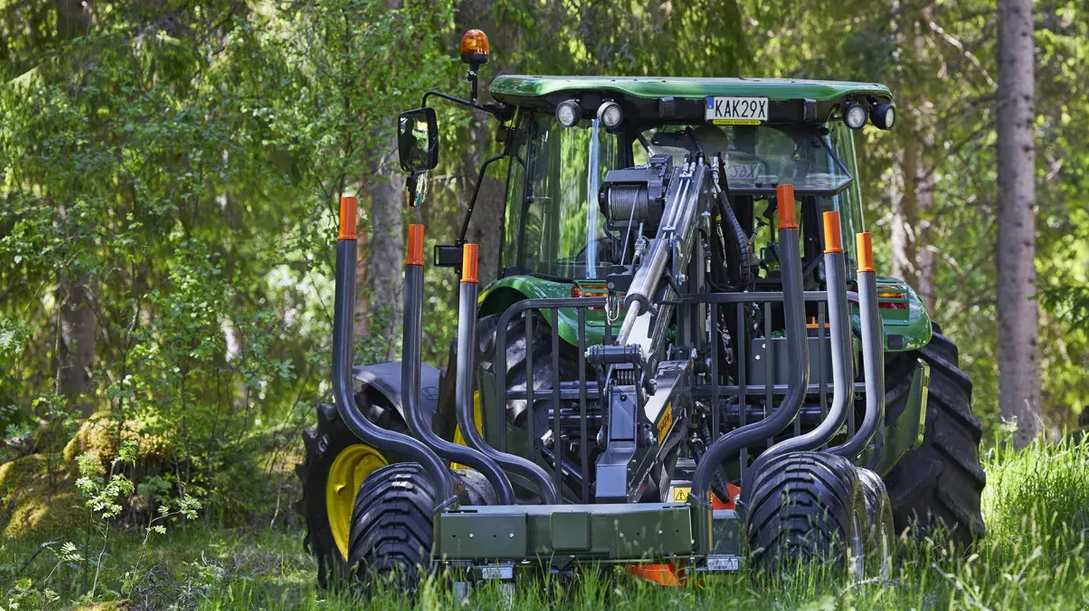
{"x": 854, "y": 115}
{"x": 610, "y": 114}
{"x": 883, "y": 115}
{"x": 474, "y": 47}
{"x": 568, "y": 112}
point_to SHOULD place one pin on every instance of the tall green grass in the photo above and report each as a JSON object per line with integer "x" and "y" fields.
{"x": 1036, "y": 506}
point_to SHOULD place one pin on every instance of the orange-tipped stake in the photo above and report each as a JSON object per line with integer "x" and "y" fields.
{"x": 348, "y": 207}
{"x": 788, "y": 217}
{"x": 468, "y": 263}
{"x": 415, "y": 254}
{"x": 864, "y": 245}
{"x": 833, "y": 241}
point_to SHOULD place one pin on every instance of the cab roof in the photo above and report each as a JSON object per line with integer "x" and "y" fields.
{"x": 515, "y": 88}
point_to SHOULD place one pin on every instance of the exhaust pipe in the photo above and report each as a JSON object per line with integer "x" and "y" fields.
{"x": 797, "y": 357}
{"x": 873, "y": 352}
{"x": 843, "y": 373}
{"x": 343, "y": 317}
{"x": 525, "y": 469}
{"x": 410, "y": 376}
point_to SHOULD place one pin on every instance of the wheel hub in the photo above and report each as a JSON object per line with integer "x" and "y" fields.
{"x": 346, "y": 475}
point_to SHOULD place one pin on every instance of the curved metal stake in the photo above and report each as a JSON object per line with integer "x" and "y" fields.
{"x": 463, "y": 393}
{"x": 873, "y": 352}
{"x": 798, "y": 363}
{"x": 410, "y": 374}
{"x": 843, "y": 374}
{"x": 343, "y": 317}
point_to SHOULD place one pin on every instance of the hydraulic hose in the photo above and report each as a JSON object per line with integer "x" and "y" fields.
{"x": 463, "y": 392}
{"x": 873, "y": 352}
{"x": 343, "y": 317}
{"x": 842, "y": 351}
{"x": 797, "y": 356}
{"x": 741, "y": 241}
{"x": 410, "y": 374}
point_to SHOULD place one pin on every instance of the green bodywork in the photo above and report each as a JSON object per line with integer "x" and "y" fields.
{"x": 511, "y": 88}
{"x": 562, "y": 534}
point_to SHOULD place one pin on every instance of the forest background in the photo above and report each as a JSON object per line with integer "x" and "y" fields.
{"x": 170, "y": 173}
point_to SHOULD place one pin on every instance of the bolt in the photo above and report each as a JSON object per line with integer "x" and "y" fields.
{"x": 512, "y": 535}
{"x": 470, "y": 535}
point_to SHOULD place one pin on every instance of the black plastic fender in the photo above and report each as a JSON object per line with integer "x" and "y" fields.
{"x": 386, "y": 379}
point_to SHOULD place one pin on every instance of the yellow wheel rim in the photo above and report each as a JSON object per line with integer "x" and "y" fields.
{"x": 350, "y": 468}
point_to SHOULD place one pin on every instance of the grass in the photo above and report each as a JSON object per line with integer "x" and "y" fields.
{"x": 1034, "y": 557}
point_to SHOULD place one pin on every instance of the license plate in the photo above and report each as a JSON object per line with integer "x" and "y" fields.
{"x": 736, "y": 111}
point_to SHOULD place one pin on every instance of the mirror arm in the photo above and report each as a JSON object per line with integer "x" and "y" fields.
{"x": 498, "y": 110}
{"x": 476, "y": 191}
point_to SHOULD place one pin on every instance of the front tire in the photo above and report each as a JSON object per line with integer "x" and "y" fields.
{"x": 939, "y": 484}
{"x": 392, "y": 527}
{"x": 807, "y": 506}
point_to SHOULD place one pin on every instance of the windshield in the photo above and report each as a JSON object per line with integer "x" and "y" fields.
{"x": 553, "y": 224}
{"x": 757, "y": 157}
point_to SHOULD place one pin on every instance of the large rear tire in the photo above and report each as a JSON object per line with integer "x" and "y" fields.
{"x": 940, "y": 483}
{"x": 807, "y": 506}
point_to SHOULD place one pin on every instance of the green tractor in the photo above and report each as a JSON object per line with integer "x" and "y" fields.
{"x": 683, "y": 368}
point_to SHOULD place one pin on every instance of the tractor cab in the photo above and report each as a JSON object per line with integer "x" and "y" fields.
{"x": 560, "y": 152}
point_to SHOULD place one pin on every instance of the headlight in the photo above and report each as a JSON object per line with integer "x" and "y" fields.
{"x": 610, "y": 114}
{"x": 568, "y": 113}
{"x": 854, "y": 115}
{"x": 883, "y": 115}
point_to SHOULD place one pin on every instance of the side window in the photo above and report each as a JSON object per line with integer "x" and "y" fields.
{"x": 848, "y": 202}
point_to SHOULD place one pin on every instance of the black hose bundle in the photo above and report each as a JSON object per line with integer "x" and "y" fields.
{"x": 741, "y": 249}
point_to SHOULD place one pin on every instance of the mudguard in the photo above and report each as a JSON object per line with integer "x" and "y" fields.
{"x": 386, "y": 379}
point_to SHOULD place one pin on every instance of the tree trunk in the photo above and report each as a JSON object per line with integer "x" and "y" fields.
{"x": 387, "y": 246}
{"x": 905, "y": 216}
{"x": 76, "y": 346}
{"x": 1018, "y": 333}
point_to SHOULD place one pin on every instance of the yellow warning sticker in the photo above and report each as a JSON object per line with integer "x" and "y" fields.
{"x": 680, "y": 495}
{"x": 665, "y": 422}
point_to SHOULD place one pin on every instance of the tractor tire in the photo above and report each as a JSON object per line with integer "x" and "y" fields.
{"x": 323, "y": 445}
{"x": 392, "y": 529}
{"x": 939, "y": 484}
{"x": 807, "y": 506}
{"x": 880, "y": 530}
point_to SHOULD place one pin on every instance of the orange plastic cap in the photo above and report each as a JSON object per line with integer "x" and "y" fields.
{"x": 415, "y": 254}
{"x": 864, "y": 245}
{"x": 468, "y": 263}
{"x": 474, "y": 46}
{"x": 788, "y": 217}
{"x": 348, "y": 212}
{"x": 833, "y": 240}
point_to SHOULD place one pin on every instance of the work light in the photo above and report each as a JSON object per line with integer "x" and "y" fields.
{"x": 610, "y": 114}
{"x": 854, "y": 115}
{"x": 883, "y": 115}
{"x": 568, "y": 113}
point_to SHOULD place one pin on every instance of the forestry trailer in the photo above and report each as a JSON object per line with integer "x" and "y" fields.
{"x": 683, "y": 367}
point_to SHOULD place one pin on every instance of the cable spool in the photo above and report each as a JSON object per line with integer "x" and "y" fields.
{"x": 628, "y": 202}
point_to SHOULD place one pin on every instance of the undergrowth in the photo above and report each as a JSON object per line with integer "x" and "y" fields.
{"x": 1036, "y": 506}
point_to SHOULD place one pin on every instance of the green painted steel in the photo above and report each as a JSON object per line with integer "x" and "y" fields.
{"x": 906, "y": 432}
{"x": 503, "y": 293}
{"x": 560, "y": 534}
{"x": 512, "y": 87}
{"x": 912, "y": 325}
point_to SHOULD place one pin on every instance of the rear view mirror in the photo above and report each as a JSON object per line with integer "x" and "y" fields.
{"x": 418, "y": 140}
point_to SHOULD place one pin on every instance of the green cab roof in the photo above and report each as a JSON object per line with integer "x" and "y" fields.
{"x": 507, "y": 87}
